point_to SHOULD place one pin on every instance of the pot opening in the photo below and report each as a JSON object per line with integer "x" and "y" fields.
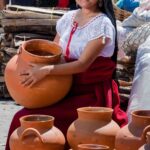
{"x": 35, "y": 118}
{"x": 142, "y": 113}
{"x": 95, "y": 109}
{"x": 42, "y": 48}
{"x": 93, "y": 146}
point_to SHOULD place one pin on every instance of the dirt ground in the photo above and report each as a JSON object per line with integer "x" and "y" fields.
{"x": 7, "y": 110}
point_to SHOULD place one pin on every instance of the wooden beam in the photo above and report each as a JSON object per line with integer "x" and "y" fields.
{"x": 37, "y": 9}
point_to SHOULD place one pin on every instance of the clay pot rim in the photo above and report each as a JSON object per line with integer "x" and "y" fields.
{"x": 136, "y": 113}
{"x": 90, "y": 109}
{"x": 38, "y": 56}
{"x": 23, "y": 119}
{"x": 95, "y": 146}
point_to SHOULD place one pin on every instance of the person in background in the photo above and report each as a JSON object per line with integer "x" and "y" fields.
{"x": 89, "y": 45}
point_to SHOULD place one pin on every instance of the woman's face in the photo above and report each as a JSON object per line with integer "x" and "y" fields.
{"x": 87, "y": 3}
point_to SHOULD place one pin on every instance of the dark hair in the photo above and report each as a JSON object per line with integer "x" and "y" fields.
{"x": 107, "y": 8}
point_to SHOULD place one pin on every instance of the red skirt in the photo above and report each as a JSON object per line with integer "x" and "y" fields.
{"x": 94, "y": 87}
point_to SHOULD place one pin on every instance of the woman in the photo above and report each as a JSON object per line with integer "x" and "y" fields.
{"x": 88, "y": 39}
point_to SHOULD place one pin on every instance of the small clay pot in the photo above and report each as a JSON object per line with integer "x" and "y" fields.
{"x": 37, "y": 132}
{"x": 94, "y": 125}
{"x": 132, "y": 136}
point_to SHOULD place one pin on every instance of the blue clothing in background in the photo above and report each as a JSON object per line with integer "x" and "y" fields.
{"x": 128, "y": 5}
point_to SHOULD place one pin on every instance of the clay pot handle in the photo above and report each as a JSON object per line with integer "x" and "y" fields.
{"x": 146, "y": 129}
{"x": 31, "y": 131}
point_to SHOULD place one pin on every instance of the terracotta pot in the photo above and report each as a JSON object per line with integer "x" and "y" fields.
{"x": 45, "y": 92}
{"x": 147, "y": 141}
{"x": 132, "y": 136}
{"x": 37, "y": 132}
{"x": 94, "y": 125}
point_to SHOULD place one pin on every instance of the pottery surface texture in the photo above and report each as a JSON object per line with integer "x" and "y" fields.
{"x": 94, "y": 125}
{"x": 46, "y": 92}
{"x": 132, "y": 136}
{"x": 37, "y": 132}
{"x": 146, "y": 146}
{"x": 92, "y": 147}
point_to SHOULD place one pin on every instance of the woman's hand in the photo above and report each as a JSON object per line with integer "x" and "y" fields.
{"x": 34, "y": 74}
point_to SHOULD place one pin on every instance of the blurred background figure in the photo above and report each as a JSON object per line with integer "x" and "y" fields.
{"x": 44, "y": 3}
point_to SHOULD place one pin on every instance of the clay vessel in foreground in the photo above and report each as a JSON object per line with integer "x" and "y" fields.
{"x": 94, "y": 125}
{"x": 132, "y": 136}
{"x": 37, "y": 132}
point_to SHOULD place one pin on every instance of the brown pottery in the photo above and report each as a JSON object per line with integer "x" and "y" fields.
{"x": 94, "y": 125}
{"x": 147, "y": 141}
{"x": 45, "y": 92}
{"x": 37, "y": 132}
{"x": 132, "y": 136}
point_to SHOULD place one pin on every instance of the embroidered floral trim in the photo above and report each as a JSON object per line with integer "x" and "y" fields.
{"x": 89, "y": 22}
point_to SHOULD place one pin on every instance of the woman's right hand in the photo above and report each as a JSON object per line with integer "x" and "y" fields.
{"x": 34, "y": 74}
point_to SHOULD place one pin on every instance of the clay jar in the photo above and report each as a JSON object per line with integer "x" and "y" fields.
{"x": 147, "y": 141}
{"x": 37, "y": 132}
{"x": 46, "y": 92}
{"x": 95, "y": 126}
{"x": 132, "y": 136}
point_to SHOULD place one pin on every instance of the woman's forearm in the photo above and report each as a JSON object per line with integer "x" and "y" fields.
{"x": 67, "y": 68}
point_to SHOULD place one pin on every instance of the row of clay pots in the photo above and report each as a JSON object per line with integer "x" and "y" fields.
{"x": 93, "y": 126}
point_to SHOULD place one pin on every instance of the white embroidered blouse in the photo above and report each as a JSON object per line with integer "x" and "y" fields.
{"x": 98, "y": 26}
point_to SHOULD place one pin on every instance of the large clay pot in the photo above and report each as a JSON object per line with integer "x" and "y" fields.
{"x": 132, "y": 136}
{"x": 37, "y": 132}
{"x": 93, "y": 126}
{"x": 147, "y": 141}
{"x": 45, "y": 92}
{"x": 92, "y": 147}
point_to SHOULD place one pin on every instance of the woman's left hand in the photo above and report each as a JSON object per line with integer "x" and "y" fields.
{"x": 34, "y": 74}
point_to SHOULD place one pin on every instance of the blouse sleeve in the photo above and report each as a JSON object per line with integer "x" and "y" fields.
{"x": 102, "y": 27}
{"x": 62, "y": 24}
